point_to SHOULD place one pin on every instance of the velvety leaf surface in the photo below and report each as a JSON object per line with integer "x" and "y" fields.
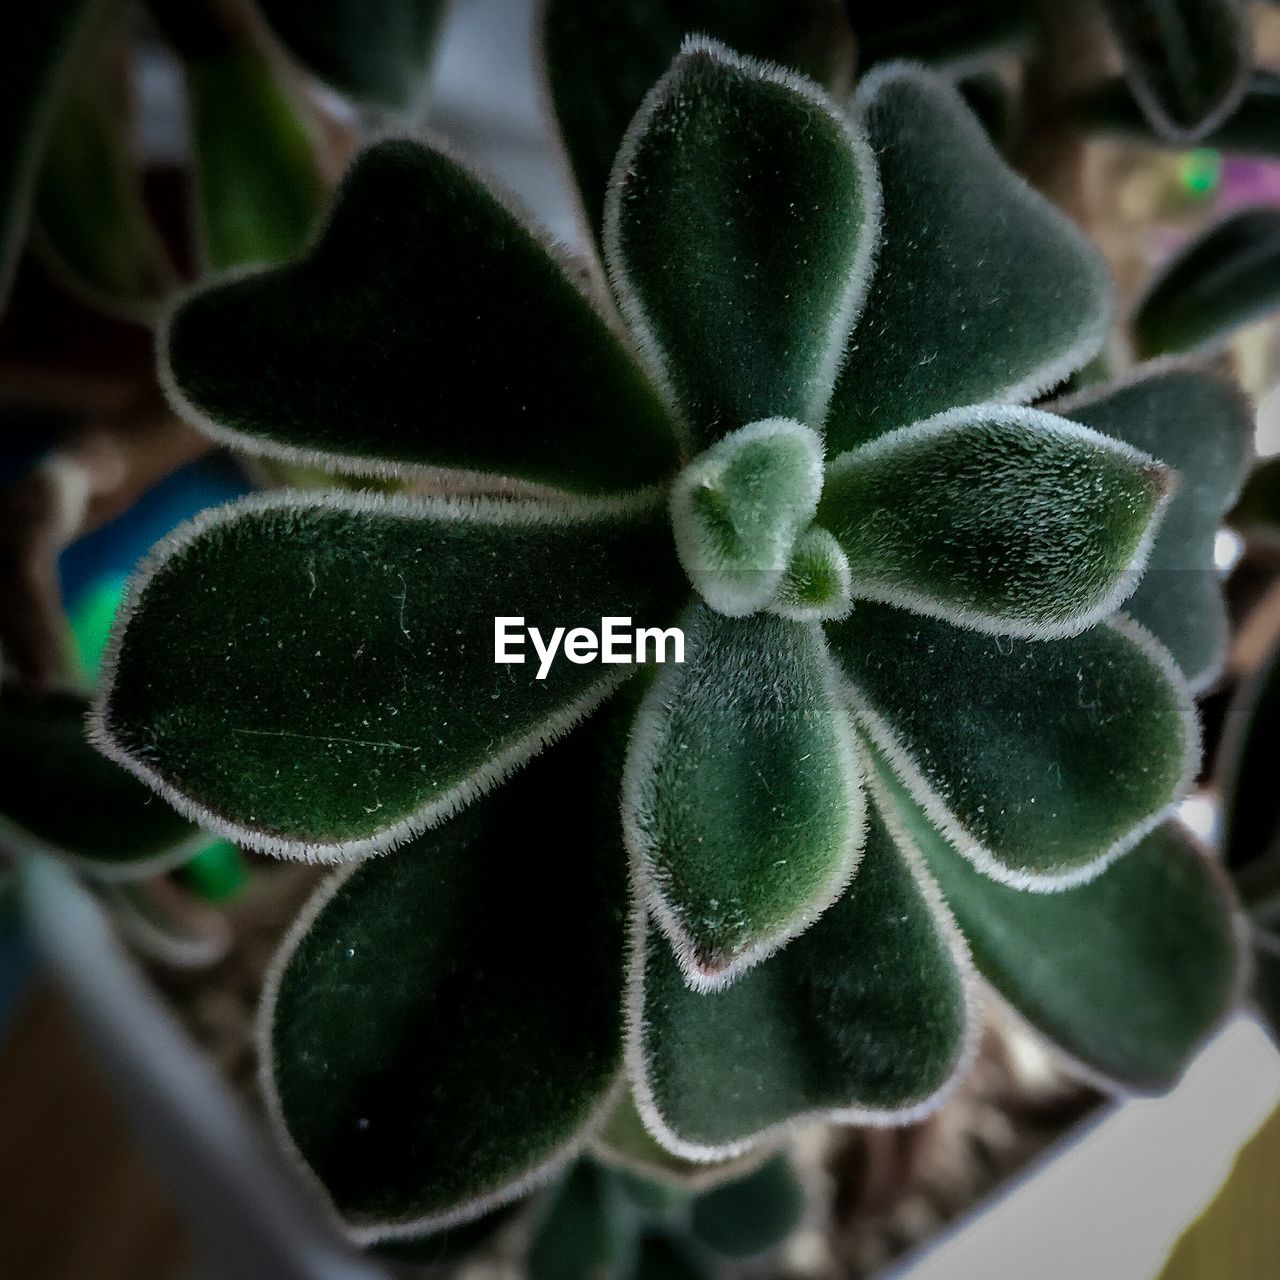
{"x": 427, "y": 327}
{"x": 982, "y": 290}
{"x": 1224, "y": 278}
{"x": 1201, "y": 424}
{"x": 1003, "y": 519}
{"x": 449, "y": 1021}
{"x": 1128, "y": 973}
{"x": 741, "y": 799}
{"x": 257, "y": 177}
{"x": 1186, "y": 60}
{"x": 33, "y": 65}
{"x": 55, "y": 788}
{"x": 652, "y": 1175}
{"x": 751, "y": 1214}
{"x": 1252, "y": 128}
{"x": 603, "y": 56}
{"x": 863, "y": 1013}
{"x": 439, "y": 1248}
{"x": 337, "y": 689}
{"x": 1038, "y": 758}
{"x": 952, "y": 35}
{"x": 88, "y": 206}
{"x": 816, "y": 585}
{"x": 738, "y": 508}
{"x": 585, "y": 1234}
{"x": 374, "y": 50}
{"x": 738, "y": 236}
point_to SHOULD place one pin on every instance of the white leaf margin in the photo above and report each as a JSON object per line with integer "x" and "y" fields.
{"x": 377, "y": 1230}
{"x": 637, "y": 1062}
{"x": 486, "y": 511}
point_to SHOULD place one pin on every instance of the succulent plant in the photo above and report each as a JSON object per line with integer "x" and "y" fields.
{"x": 911, "y": 741}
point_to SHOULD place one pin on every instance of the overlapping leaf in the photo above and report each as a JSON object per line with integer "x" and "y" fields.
{"x": 386, "y": 346}
{"x": 982, "y": 290}
{"x": 338, "y": 690}
{"x": 742, "y": 802}
{"x": 1040, "y": 761}
{"x": 495, "y": 1049}
{"x": 1201, "y": 424}
{"x": 1007, "y": 520}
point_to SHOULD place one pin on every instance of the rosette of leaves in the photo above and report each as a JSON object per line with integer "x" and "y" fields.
{"x": 911, "y": 736}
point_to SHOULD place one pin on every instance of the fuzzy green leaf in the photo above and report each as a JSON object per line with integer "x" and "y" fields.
{"x": 951, "y": 35}
{"x": 1226, "y": 277}
{"x": 753, "y": 1214}
{"x": 865, "y": 1016}
{"x": 485, "y": 986}
{"x": 89, "y": 211}
{"x": 1252, "y": 128}
{"x": 258, "y": 179}
{"x": 741, "y": 800}
{"x": 390, "y": 343}
{"x": 59, "y": 796}
{"x": 1128, "y": 973}
{"x": 439, "y": 1248}
{"x": 376, "y": 51}
{"x": 982, "y": 290}
{"x": 1006, "y": 520}
{"x": 1042, "y": 761}
{"x": 338, "y": 690}
{"x": 739, "y": 231}
{"x": 603, "y": 56}
{"x": 816, "y": 586}
{"x": 1201, "y": 424}
{"x": 1186, "y": 60}
{"x": 654, "y": 1173}
{"x": 585, "y": 1233}
{"x": 35, "y": 62}
{"x": 739, "y": 507}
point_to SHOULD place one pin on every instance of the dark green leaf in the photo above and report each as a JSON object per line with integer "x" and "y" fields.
{"x": 1201, "y": 424}
{"x": 951, "y": 35}
{"x": 258, "y": 179}
{"x": 1226, "y": 277}
{"x": 58, "y": 795}
{"x": 864, "y": 1017}
{"x": 89, "y": 209}
{"x": 739, "y": 233}
{"x": 1186, "y": 60}
{"x": 1257, "y": 514}
{"x": 336, "y": 690}
{"x": 1252, "y": 128}
{"x": 444, "y": 1022}
{"x": 1007, "y": 520}
{"x": 1041, "y": 760}
{"x": 439, "y": 1248}
{"x": 739, "y": 507}
{"x": 741, "y": 800}
{"x": 586, "y": 1233}
{"x": 35, "y": 61}
{"x": 603, "y": 56}
{"x": 375, "y": 50}
{"x": 752, "y": 1214}
{"x": 982, "y": 290}
{"x": 665, "y": 1258}
{"x": 429, "y": 328}
{"x": 1128, "y": 973}
{"x": 657, "y": 1176}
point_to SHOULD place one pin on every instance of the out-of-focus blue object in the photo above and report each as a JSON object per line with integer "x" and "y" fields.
{"x": 110, "y": 553}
